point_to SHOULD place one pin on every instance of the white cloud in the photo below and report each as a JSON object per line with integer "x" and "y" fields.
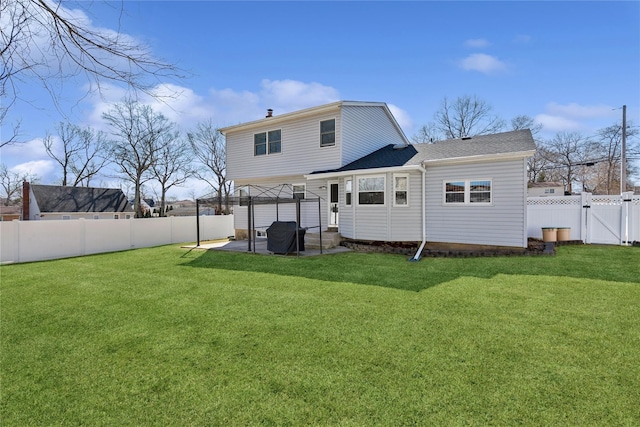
{"x": 477, "y": 43}
{"x": 574, "y": 117}
{"x": 578, "y": 111}
{"x": 483, "y": 63}
{"x": 556, "y": 123}
{"x": 223, "y": 106}
{"x": 291, "y": 95}
{"x": 402, "y": 117}
{"x": 41, "y": 168}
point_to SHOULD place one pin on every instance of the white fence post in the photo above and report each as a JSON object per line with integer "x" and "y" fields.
{"x": 626, "y": 213}
{"x": 585, "y": 235}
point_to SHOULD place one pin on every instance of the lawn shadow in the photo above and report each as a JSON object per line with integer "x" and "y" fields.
{"x": 618, "y": 264}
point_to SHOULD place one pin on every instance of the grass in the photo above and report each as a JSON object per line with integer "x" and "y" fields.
{"x": 164, "y": 336}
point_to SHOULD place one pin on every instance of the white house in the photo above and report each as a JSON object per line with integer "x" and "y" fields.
{"x": 375, "y": 185}
{"x": 542, "y": 189}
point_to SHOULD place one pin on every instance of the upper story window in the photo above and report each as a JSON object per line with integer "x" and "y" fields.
{"x": 328, "y": 133}
{"x": 400, "y": 190}
{"x": 469, "y": 191}
{"x": 274, "y": 139}
{"x": 371, "y": 190}
{"x": 348, "y": 190}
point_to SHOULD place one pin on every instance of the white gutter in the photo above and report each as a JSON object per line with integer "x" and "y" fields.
{"x": 479, "y": 157}
{"x": 416, "y": 257}
{"x": 371, "y": 171}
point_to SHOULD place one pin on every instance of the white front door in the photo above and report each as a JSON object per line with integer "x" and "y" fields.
{"x": 332, "y": 197}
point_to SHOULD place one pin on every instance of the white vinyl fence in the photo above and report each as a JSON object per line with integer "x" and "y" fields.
{"x": 24, "y": 241}
{"x": 593, "y": 219}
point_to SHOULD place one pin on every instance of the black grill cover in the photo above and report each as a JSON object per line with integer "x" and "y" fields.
{"x": 281, "y": 237}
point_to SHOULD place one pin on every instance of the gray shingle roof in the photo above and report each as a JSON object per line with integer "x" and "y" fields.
{"x": 383, "y": 158}
{"x": 484, "y": 145}
{"x": 55, "y": 198}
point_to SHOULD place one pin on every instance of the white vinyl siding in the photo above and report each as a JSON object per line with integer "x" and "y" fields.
{"x": 364, "y": 130}
{"x": 500, "y": 223}
{"x": 300, "y": 150}
{"x": 384, "y": 222}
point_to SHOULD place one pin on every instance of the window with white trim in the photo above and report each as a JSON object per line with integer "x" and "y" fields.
{"x": 267, "y": 142}
{"x": 299, "y": 191}
{"x": 66, "y": 217}
{"x": 328, "y": 133}
{"x": 371, "y": 190}
{"x": 468, "y": 192}
{"x": 400, "y": 190}
{"x": 116, "y": 216}
{"x": 96, "y": 217}
{"x": 348, "y": 191}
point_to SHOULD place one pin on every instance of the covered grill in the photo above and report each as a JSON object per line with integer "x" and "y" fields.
{"x": 281, "y": 237}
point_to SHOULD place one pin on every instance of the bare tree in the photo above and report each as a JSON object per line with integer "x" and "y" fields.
{"x": 80, "y": 153}
{"x": 466, "y": 116}
{"x": 427, "y": 134}
{"x": 209, "y": 148}
{"x": 138, "y": 133}
{"x": 173, "y": 165}
{"x": 11, "y": 184}
{"x": 41, "y": 41}
{"x": 568, "y": 154}
{"x": 609, "y": 146}
{"x": 539, "y": 161}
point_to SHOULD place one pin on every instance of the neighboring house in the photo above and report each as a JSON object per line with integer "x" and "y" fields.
{"x": 10, "y": 213}
{"x": 377, "y": 186}
{"x": 61, "y": 202}
{"x": 540, "y": 189}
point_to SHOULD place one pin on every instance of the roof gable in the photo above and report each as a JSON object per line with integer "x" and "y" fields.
{"x": 54, "y": 198}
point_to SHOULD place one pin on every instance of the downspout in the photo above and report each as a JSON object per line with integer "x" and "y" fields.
{"x": 417, "y": 257}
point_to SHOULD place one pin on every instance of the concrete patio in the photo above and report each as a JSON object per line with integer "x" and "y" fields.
{"x": 260, "y": 248}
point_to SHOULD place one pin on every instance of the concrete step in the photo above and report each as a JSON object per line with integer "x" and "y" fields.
{"x": 330, "y": 239}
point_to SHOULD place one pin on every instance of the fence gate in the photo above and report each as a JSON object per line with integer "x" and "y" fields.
{"x": 593, "y": 219}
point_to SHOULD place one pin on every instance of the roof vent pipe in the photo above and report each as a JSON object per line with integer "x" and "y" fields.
{"x": 269, "y": 113}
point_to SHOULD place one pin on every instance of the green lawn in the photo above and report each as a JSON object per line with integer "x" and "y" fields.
{"x": 166, "y": 336}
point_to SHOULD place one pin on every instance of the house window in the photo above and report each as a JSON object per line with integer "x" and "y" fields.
{"x": 66, "y": 217}
{"x": 400, "y": 190}
{"x": 116, "y": 216}
{"x": 348, "y": 189}
{"x": 466, "y": 192}
{"x": 275, "y": 141}
{"x": 96, "y": 217}
{"x": 549, "y": 191}
{"x": 127, "y": 216}
{"x": 260, "y": 146}
{"x": 371, "y": 190}
{"x": 299, "y": 191}
{"x": 328, "y": 133}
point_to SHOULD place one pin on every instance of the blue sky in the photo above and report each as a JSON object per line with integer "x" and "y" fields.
{"x": 569, "y": 65}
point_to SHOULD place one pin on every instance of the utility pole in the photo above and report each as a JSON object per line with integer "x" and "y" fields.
{"x": 623, "y": 152}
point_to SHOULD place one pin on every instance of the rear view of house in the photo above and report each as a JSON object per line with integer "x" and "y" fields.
{"x": 373, "y": 184}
